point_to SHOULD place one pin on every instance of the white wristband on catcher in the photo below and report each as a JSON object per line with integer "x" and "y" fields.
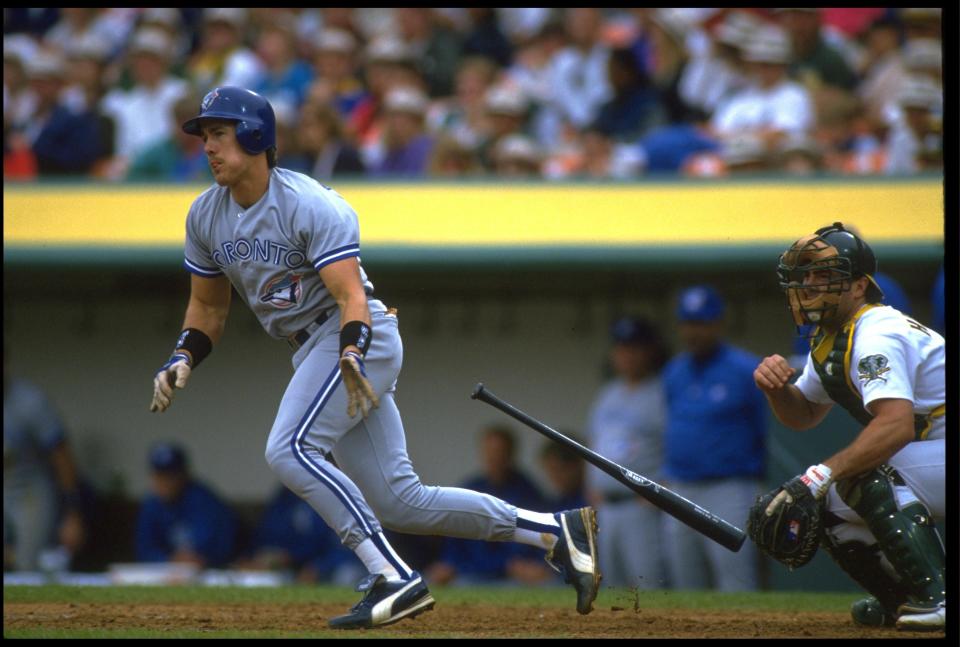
{"x": 818, "y": 479}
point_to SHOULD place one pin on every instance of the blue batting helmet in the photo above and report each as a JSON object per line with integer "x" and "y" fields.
{"x": 256, "y": 124}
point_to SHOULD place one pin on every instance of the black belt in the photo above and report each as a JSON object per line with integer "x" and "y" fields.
{"x": 298, "y": 339}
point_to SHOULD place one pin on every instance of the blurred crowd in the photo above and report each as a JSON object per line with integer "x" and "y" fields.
{"x": 576, "y": 93}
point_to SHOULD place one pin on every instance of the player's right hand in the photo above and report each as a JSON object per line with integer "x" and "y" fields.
{"x": 773, "y": 374}
{"x": 171, "y": 375}
{"x": 360, "y": 394}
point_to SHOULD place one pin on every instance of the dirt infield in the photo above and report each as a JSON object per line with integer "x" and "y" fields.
{"x": 453, "y": 620}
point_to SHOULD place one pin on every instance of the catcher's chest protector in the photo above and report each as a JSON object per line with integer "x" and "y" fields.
{"x": 831, "y": 359}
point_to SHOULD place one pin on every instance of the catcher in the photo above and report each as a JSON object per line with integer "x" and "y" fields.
{"x": 872, "y": 505}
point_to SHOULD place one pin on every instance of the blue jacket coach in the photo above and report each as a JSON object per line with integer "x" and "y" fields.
{"x": 714, "y": 444}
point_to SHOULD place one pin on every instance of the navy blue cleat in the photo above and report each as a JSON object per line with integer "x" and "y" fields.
{"x": 386, "y": 602}
{"x": 575, "y": 555}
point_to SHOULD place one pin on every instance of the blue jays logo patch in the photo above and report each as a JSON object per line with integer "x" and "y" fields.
{"x": 872, "y": 368}
{"x": 207, "y": 100}
{"x": 283, "y": 292}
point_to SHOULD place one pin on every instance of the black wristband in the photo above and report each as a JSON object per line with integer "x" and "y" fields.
{"x": 356, "y": 333}
{"x": 196, "y": 343}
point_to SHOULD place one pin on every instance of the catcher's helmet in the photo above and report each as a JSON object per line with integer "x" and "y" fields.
{"x": 846, "y": 257}
{"x": 256, "y": 123}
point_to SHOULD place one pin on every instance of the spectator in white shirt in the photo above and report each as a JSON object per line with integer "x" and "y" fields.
{"x": 143, "y": 114}
{"x": 915, "y": 141}
{"x": 579, "y": 71}
{"x": 773, "y": 106}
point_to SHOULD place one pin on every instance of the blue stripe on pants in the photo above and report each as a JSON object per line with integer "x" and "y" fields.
{"x": 297, "y": 446}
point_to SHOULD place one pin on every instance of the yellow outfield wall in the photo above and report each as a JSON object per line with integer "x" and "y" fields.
{"x": 482, "y": 215}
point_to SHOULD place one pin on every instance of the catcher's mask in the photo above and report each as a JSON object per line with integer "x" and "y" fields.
{"x": 817, "y": 269}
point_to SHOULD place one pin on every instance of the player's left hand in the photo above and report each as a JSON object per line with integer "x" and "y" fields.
{"x": 172, "y": 374}
{"x": 361, "y": 395}
{"x": 817, "y": 478}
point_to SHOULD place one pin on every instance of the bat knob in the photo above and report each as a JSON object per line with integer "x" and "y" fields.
{"x": 477, "y": 390}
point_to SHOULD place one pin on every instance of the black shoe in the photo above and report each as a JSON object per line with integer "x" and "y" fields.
{"x": 386, "y": 602}
{"x": 575, "y": 555}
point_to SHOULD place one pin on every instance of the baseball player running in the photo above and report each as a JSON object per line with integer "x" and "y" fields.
{"x": 876, "y": 499}
{"x": 291, "y": 248}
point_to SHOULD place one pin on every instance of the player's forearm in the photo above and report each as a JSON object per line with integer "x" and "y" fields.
{"x": 879, "y": 440}
{"x": 208, "y": 318}
{"x": 791, "y": 408}
{"x": 354, "y": 307}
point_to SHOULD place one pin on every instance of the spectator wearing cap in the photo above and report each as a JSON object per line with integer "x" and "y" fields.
{"x": 389, "y": 63}
{"x": 814, "y": 62}
{"x": 286, "y": 78}
{"x": 143, "y": 113}
{"x": 915, "y": 140}
{"x": 506, "y": 109}
{"x": 883, "y": 71}
{"x": 711, "y": 76}
{"x": 323, "y": 141}
{"x": 772, "y": 106}
{"x": 532, "y": 71}
{"x": 222, "y": 57}
{"x": 407, "y": 145}
{"x": 182, "y": 520}
{"x": 178, "y": 157}
{"x": 62, "y": 141}
{"x": 452, "y": 157}
{"x": 799, "y": 156}
{"x": 625, "y": 424}
{"x": 517, "y": 157}
{"x": 436, "y": 48}
{"x": 578, "y": 73}
{"x": 464, "y": 115}
{"x": 335, "y": 72}
{"x": 715, "y": 443}
{"x": 169, "y": 20}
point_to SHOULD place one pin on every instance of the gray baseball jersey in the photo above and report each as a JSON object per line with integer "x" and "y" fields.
{"x": 273, "y": 250}
{"x": 272, "y": 253}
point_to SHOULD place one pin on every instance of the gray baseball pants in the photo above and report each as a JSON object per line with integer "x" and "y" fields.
{"x": 373, "y": 481}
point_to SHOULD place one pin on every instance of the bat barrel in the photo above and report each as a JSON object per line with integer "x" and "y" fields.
{"x": 686, "y": 511}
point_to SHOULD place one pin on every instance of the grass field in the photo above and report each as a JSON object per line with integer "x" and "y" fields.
{"x": 301, "y": 612}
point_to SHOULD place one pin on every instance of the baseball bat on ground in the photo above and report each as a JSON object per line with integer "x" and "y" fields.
{"x": 690, "y": 513}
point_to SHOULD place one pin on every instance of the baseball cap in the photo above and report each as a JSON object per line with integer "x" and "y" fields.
{"x": 168, "y": 457}
{"x": 236, "y": 17}
{"x": 700, "y": 303}
{"x": 404, "y": 99}
{"x": 633, "y": 330}
{"x": 45, "y": 65}
{"x": 517, "y": 147}
{"x": 506, "y": 100}
{"x": 336, "y": 40}
{"x": 768, "y": 45}
{"x": 151, "y": 40}
{"x": 389, "y": 49}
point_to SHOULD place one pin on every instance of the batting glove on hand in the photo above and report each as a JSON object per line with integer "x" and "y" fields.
{"x": 171, "y": 375}
{"x": 359, "y": 391}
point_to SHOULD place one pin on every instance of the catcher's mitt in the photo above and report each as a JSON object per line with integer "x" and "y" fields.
{"x": 792, "y": 533}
